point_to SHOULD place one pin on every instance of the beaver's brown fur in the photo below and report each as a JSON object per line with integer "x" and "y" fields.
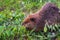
{"x": 49, "y": 13}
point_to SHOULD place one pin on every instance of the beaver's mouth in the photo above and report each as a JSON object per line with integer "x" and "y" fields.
{"x": 27, "y": 28}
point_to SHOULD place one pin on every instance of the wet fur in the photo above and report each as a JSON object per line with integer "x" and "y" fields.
{"x": 49, "y": 13}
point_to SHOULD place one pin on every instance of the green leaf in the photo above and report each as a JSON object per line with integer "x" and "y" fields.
{"x": 58, "y": 38}
{"x": 8, "y": 32}
{"x": 45, "y": 29}
{"x": 1, "y": 29}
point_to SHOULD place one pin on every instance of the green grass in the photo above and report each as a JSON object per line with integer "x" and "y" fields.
{"x": 12, "y": 13}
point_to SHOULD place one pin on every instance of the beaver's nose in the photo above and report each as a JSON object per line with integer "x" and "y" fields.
{"x": 23, "y": 23}
{"x": 27, "y": 28}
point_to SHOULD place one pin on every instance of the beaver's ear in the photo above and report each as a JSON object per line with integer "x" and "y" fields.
{"x": 32, "y": 19}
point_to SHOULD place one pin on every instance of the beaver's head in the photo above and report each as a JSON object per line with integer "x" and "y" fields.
{"x": 33, "y": 21}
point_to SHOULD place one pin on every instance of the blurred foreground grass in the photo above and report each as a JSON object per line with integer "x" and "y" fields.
{"x": 12, "y": 13}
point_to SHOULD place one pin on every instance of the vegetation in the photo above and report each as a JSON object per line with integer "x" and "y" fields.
{"x": 12, "y": 13}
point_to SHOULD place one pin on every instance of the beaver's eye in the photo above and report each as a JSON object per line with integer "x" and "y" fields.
{"x": 32, "y": 19}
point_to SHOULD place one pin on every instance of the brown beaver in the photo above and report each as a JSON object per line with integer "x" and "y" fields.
{"x": 49, "y": 13}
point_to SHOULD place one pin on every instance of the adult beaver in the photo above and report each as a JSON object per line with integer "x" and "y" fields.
{"x": 49, "y": 13}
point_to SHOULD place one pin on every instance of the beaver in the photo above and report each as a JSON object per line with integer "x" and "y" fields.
{"x": 49, "y": 13}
